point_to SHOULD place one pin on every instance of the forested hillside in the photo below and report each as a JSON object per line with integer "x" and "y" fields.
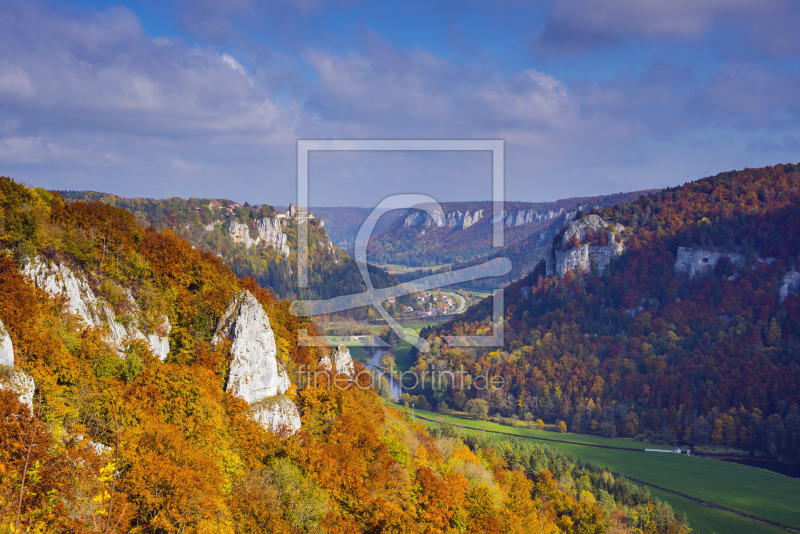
{"x": 104, "y": 434}
{"x": 229, "y": 230}
{"x": 411, "y": 238}
{"x": 691, "y": 335}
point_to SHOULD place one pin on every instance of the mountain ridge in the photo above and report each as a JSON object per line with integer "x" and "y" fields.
{"x": 649, "y": 346}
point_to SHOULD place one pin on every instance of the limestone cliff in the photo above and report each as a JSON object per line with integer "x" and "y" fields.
{"x": 527, "y": 216}
{"x": 6, "y": 348}
{"x": 268, "y": 230}
{"x": 697, "y": 261}
{"x": 11, "y": 378}
{"x": 255, "y": 374}
{"x": 457, "y": 219}
{"x": 790, "y": 283}
{"x": 340, "y": 361}
{"x": 277, "y": 413}
{"x": 61, "y": 281}
{"x": 587, "y": 243}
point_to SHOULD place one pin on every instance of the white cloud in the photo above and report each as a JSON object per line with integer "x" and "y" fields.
{"x": 14, "y": 81}
{"x": 581, "y": 22}
{"x": 531, "y": 97}
{"x": 102, "y": 71}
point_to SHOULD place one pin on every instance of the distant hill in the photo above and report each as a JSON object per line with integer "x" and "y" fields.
{"x": 255, "y": 241}
{"x": 343, "y": 223}
{"x": 466, "y": 238}
{"x": 675, "y": 316}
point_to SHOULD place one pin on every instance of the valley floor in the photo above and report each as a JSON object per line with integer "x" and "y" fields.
{"x": 716, "y": 496}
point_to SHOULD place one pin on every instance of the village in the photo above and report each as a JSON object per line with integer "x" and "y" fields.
{"x": 426, "y": 304}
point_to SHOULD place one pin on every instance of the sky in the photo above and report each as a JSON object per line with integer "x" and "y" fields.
{"x": 208, "y": 98}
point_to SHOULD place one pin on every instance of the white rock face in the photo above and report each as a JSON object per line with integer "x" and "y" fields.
{"x": 20, "y": 383}
{"x": 790, "y": 283}
{"x": 527, "y": 216}
{"x": 340, "y": 361}
{"x": 470, "y": 219}
{"x": 278, "y": 414}
{"x": 240, "y": 233}
{"x": 6, "y": 348}
{"x": 61, "y": 281}
{"x": 159, "y": 340}
{"x": 565, "y": 256}
{"x": 269, "y": 231}
{"x": 10, "y": 378}
{"x": 255, "y": 374}
{"x": 697, "y": 261}
{"x": 457, "y": 220}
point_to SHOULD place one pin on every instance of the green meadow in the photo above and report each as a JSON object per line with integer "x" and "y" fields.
{"x": 748, "y": 490}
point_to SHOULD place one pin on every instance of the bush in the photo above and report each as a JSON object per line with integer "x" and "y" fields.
{"x": 608, "y": 430}
{"x": 477, "y": 408}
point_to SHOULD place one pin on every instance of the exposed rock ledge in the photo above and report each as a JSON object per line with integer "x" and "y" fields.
{"x": 790, "y": 283}
{"x": 10, "y": 378}
{"x": 697, "y": 261}
{"x": 573, "y": 252}
{"x": 340, "y": 359}
{"x": 277, "y": 413}
{"x": 6, "y": 348}
{"x": 269, "y": 231}
{"x": 60, "y": 281}
{"x": 255, "y": 374}
{"x": 455, "y": 219}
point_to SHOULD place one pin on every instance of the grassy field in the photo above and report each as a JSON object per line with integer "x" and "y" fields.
{"x": 402, "y": 357}
{"x": 396, "y": 268}
{"x": 539, "y": 434}
{"x": 419, "y": 325}
{"x": 753, "y": 491}
{"x": 704, "y": 520}
{"x": 480, "y": 294}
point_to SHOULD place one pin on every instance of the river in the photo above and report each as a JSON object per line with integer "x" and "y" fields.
{"x": 374, "y": 363}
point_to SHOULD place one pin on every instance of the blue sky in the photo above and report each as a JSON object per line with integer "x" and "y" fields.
{"x": 208, "y": 98}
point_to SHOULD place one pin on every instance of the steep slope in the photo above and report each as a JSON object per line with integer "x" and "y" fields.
{"x": 691, "y": 334}
{"x": 465, "y": 232}
{"x": 255, "y": 241}
{"x": 207, "y": 439}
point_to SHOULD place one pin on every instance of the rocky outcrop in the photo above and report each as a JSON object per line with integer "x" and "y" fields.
{"x": 470, "y": 219}
{"x": 10, "y": 378}
{"x": 159, "y": 340}
{"x": 240, "y": 233}
{"x": 527, "y": 216}
{"x": 6, "y": 348}
{"x": 587, "y": 243}
{"x": 790, "y": 283}
{"x": 269, "y": 232}
{"x": 457, "y": 220}
{"x": 20, "y": 383}
{"x": 697, "y": 261}
{"x": 340, "y": 361}
{"x": 277, "y": 413}
{"x": 255, "y": 374}
{"x": 60, "y": 281}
